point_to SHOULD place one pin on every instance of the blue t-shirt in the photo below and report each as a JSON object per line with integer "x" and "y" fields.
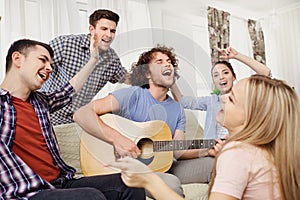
{"x": 137, "y": 104}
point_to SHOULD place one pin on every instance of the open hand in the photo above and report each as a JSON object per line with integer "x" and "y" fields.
{"x": 227, "y": 53}
{"x": 134, "y": 173}
{"x": 94, "y": 45}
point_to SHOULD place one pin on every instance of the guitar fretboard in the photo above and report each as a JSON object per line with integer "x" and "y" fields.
{"x": 175, "y": 145}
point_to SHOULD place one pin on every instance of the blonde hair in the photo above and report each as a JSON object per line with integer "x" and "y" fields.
{"x": 272, "y": 123}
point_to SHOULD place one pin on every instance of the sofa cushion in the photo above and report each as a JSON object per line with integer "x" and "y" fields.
{"x": 195, "y": 191}
{"x": 68, "y": 137}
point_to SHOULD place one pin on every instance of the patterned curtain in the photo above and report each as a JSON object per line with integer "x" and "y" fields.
{"x": 218, "y": 28}
{"x": 257, "y": 39}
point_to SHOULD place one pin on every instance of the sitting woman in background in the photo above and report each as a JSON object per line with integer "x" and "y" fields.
{"x": 223, "y": 77}
{"x": 260, "y": 159}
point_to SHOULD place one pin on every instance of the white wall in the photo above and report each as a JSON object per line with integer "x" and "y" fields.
{"x": 2, "y": 52}
{"x": 282, "y": 36}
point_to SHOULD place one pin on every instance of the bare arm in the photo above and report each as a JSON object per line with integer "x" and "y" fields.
{"x": 184, "y": 154}
{"x": 79, "y": 79}
{"x": 256, "y": 66}
{"x": 159, "y": 189}
{"x": 177, "y": 95}
{"x": 88, "y": 118}
{"x": 136, "y": 174}
{"x": 194, "y": 153}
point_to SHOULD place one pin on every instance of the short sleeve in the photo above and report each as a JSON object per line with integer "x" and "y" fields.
{"x": 233, "y": 167}
{"x": 182, "y": 120}
{"x": 125, "y": 97}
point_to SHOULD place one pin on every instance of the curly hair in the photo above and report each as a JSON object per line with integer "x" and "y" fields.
{"x": 141, "y": 67}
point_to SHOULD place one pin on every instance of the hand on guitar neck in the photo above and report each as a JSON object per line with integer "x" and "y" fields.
{"x": 217, "y": 147}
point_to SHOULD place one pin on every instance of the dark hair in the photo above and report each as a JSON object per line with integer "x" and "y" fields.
{"x": 225, "y": 63}
{"x": 141, "y": 68}
{"x": 106, "y": 14}
{"x": 22, "y": 46}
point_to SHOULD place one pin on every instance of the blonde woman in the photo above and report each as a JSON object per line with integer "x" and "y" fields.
{"x": 261, "y": 158}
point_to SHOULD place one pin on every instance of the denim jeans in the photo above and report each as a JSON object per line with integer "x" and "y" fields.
{"x": 104, "y": 187}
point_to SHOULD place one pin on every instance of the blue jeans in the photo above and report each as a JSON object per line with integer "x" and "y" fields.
{"x": 92, "y": 188}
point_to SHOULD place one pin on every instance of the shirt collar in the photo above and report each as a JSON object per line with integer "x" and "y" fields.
{"x": 6, "y": 94}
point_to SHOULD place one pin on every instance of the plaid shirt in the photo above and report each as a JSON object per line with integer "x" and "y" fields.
{"x": 18, "y": 181}
{"x": 71, "y": 53}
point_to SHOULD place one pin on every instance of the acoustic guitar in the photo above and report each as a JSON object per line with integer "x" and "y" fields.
{"x": 153, "y": 138}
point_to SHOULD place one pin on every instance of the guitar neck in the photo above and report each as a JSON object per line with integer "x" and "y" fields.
{"x": 175, "y": 145}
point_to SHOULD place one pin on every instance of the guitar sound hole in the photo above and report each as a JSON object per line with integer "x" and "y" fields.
{"x": 146, "y": 146}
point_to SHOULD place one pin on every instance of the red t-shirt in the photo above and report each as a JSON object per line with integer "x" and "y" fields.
{"x": 29, "y": 142}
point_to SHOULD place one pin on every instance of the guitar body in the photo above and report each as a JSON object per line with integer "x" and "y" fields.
{"x": 95, "y": 152}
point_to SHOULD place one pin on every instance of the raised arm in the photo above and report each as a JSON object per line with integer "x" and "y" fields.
{"x": 177, "y": 95}
{"x": 79, "y": 79}
{"x": 88, "y": 118}
{"x": 256, "y": 66}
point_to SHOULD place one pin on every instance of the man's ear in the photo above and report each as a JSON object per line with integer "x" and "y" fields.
{"x": 148, "y": 75}
{"x": 91, "y": 28}
{"x": 16, "y": 58}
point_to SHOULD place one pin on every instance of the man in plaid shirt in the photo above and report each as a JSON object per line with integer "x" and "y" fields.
{"x": 71, "y": 52}
{"x": 30, "y": 162}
